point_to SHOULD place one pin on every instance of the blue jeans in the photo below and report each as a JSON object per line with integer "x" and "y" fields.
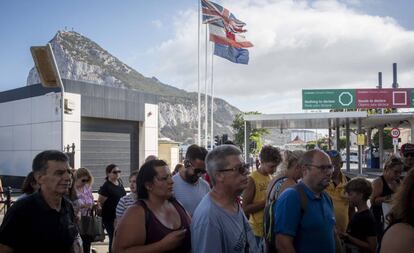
{"x": 259, "y": 241}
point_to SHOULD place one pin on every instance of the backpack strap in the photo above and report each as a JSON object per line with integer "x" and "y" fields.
{"x": 303, "y": 198}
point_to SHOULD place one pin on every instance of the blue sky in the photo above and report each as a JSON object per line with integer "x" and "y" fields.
{"x": 322, "y": 44}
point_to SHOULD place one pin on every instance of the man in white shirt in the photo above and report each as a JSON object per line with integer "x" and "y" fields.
{"x": 189, "y": 187}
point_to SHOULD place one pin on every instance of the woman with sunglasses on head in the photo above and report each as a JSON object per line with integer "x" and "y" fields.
{"x": 383, "y": 188}
{"x": 288, "y": 175}
{"x": 109, "y": 195}
{"x": 83, "y": 186}
{"x": 157, "y": 222}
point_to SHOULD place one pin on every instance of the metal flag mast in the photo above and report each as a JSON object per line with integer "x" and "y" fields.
{"x": 212, "y": 101}
{"x": 206, "y": 95}
{"x": 198, "y": 76}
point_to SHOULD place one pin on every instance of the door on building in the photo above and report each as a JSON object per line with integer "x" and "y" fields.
{"x": 106, "y": 141}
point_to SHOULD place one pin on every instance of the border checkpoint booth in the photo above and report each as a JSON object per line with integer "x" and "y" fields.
{"x": 334, "y": 121}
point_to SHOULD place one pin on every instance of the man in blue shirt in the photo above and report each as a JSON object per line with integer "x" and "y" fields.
{"x": 310, "y": 228}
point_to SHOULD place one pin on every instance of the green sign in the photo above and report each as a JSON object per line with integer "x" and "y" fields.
{"x": 329, "y": 99}
{"x": 412, "y": 97}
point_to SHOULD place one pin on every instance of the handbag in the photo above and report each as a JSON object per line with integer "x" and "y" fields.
{"x": 91, "y": 226}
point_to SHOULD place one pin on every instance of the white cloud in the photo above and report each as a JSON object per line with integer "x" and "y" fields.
{"x": 298, "y": 46}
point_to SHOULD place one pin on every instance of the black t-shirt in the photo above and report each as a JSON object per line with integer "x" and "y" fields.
{"x": 362, "y": 225}
{"x": 113, "y": 193}
{"x": 30, "y": 225}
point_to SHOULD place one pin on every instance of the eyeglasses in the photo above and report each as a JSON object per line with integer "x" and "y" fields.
{"x": 116, "y": 171}
{"x": 242, "y": 169}
{"x": 322, "y": 167}
{"x": 164, "y": 178}
{"x": 332, "y": 153}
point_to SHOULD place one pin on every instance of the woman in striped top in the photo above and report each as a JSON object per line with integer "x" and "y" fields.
{"x": 129, "y": 199}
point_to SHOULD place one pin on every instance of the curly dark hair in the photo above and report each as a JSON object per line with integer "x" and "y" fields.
{"x": 403, "y": 202}
{"x": 270, "y": 154}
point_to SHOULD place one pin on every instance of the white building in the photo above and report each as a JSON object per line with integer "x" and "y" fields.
{"x": 106, "y": 125}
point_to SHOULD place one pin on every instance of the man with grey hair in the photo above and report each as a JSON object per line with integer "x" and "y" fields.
{"x": 219, "y": 224}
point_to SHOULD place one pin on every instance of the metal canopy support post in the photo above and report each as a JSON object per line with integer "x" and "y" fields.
{"x": 412, "y": 130}
{"x": 359, "y": 149}
{"x": 369, "y": 141}
{"x": 381, "y": 146}
{"x": 245, "y": 141}
{"x": 338, "y": 133}
{"x": 330, "y": 136}
{"x": 347, "y": 145}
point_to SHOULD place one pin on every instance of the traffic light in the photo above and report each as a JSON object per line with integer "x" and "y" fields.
{"x": 217, "y": 140}
{"x": 224, "y": 138}
{"x": 253, "y": 145}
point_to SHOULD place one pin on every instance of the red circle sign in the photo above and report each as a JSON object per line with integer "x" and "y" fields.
{"x": 395, "y": 132}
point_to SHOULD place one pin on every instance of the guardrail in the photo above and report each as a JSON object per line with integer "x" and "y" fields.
{"x": 8, "y": 193}
{"x": 6, "y": 198}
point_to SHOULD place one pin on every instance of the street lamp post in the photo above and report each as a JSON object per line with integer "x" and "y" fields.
{"x": 49, "y": 75}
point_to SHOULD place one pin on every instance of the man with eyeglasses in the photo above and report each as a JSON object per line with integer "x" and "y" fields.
{"x": 45, "y": 220}
{"x": 189, "y": 188}
{"x": 219, "y": 223}
{"x": 305, "y": 219}
{"x": 254, "y": 196}
{"x": 407, "y": 155}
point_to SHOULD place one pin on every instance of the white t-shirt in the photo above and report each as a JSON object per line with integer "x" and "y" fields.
{"x": 188, "y": 194}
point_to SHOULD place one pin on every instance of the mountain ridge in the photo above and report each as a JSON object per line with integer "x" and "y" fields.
{"x": 80, "y": 58}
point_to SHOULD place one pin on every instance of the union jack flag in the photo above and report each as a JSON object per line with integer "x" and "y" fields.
{"x": 218, "y": 15}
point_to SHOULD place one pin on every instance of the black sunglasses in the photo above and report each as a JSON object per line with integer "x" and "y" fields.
{"x": 116, "y": 171}
{"x": 188, "y": 164}
{"x": 242, "y": 169}
{"x": 199, "y": 171}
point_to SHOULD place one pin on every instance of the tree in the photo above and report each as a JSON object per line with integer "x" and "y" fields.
{"x": 256, "y": 134}
{"x": 386, "y": 137}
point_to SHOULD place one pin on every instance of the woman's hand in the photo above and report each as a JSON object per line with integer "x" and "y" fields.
{"x": 174, "y": 239}
{"x": 343, "y": 235}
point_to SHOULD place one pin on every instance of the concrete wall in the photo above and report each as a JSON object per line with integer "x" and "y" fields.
{"x": 169, "y": 152}
{"x": 148, "y": 134}
{"x": 31, "y": 125}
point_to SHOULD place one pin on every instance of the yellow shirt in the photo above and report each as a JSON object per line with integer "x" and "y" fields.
{"x": 340, "y": 202}
{"x": 256, "y": 219}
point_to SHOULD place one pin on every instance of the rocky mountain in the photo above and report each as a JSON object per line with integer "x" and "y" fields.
{"x": 79, "y": 58}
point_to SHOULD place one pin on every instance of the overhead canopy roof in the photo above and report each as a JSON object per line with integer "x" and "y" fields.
{"x": 327, "y": 120}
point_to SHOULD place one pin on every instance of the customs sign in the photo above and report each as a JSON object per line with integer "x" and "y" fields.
{"x": 357, "y": 98}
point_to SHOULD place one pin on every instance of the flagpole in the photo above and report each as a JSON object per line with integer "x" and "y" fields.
{"x": 198, "y": 76}
{"x": 206, "y": 95}
{"x": 212, "y": 100}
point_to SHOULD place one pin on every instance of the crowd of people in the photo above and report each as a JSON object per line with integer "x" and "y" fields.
{"x": 294, "y": 201}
